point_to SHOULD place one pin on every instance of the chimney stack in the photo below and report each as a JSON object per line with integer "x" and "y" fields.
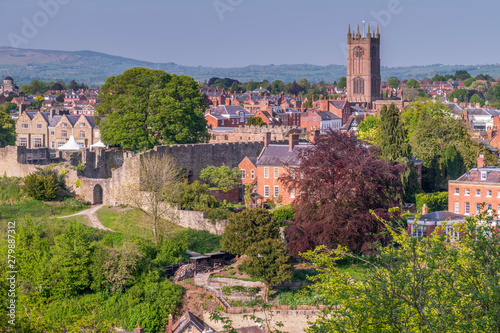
{"x": 52, "y": 113}
{"x": 425, "y": 210}
{"x": 267, "y": 139}
{"x": 139, "y": 329}
{"x": 293, "y": 141}
{"x": 481, "y": 161}
{"x": 170, "y": 323}
{"x": 21, "y": 109}
{"x": 314, "y": 136}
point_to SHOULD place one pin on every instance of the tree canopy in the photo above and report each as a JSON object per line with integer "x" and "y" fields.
{"x": 246, "y": 228}
{"x": 222, "y": 177}
{"x": 7, "y": 129}
{"x": 143, "y": 107}
{"x": 340, "y": 182}
{"x": 419, "y": 284}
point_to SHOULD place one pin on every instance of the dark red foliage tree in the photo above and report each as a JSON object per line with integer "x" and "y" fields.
{"x": 338, "y": 182}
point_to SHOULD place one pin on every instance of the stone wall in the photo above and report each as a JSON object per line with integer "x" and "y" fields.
{"x": 196, "y": 157}
{"x": 198, "y": 221}
{"x": 254, "y": 134}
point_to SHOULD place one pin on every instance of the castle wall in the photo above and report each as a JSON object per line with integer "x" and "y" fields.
{"x": 196, "y": 157}
{"x": 254, "y": 134}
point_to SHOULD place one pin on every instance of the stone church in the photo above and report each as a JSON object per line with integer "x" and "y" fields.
{"x": 8, "y": 87}
{"x": 363, "y": 67}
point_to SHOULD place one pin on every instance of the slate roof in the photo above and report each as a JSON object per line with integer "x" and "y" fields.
{"x": 279, "y": 155}
{"x": 482, "y": 112}
{"x": 454, "y": 108}
{"x": 338, "y": 104}
{"x": 327, "y": 115}
{"x": 474, "y": 175}
{"x": 182, "y": 324}
{"x": 230, "y": 110}
{"x": 438, "y": 217}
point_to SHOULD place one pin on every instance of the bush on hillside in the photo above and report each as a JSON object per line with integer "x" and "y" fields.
{"x": 41, "y": 187}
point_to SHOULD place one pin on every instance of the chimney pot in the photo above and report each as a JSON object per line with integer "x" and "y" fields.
{"x": 139, "y": 329}
{"x": 425, "y": 210}
{"x": 481, "y": 161}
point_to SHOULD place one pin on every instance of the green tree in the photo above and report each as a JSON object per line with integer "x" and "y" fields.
{"x": 392, "y": 137}
{"x": 462, "y": 95}
{"x": 269, "y": 262}
{"x": 342, "y": 83}
{"x": 469, "y": 81}
{"x": 480, "y": 86}
{"x": 283, "y": 214}
{"x": 393, "y": 82}
{"x": 412, "y": 84}
{"x": 143, "y": 107}
{"x": 438, "y": 77}
{"x": 369, "y": 130}
{"x": 69, "y": 264}
{"x": 222, "y": 177}
{"x": 7, "y": 129}
{"x": 435, "y": 201}
{"x": 41, "y": 187}
{"x": 426, "y": 284}
{"x": 60, "y": 98}
{"x": 255, "y": 121}
{"x": 246, "y": 228}
{"x": 431, "y": 129}
{"x": 196, "y": 196}
{"x": 476, "y": 99}
{"x": 462, "y": 75}
{"x": 454, "y": 163}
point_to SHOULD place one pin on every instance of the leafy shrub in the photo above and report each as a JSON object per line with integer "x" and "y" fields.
{"x": 284, "y": 214}
{"x": 41, "y": 187}
{"x": 435, "y": 201}
{"x": 196, "y": 196}
{"x": 218, "y": 213}
{"x": 10, "y": 190}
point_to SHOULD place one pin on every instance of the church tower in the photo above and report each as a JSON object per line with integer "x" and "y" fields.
{"x": 363, "y": 67}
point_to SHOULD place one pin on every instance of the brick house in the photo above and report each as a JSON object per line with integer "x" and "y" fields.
{"x": 478, "y": 186}
{"x": 227, "y": 116}
{"x": 428, "y": 222}
{"x": 320, "y": 120}
{"x": 341, "y": 109}
{"x": 35, "y": 129}
{"x": 273, "y": 163}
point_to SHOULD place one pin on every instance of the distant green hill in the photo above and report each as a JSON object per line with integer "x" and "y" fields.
{"x": 93, "y": 68}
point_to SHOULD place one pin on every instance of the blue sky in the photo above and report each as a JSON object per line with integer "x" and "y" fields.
{"x": 227, "y": 33}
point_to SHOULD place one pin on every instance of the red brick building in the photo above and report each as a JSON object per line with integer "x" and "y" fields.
{"x": 320, "y": 121}
{"x": 273, "y": 163}
{"x": 227, "y": 116}
{"x": 478, "y": 186}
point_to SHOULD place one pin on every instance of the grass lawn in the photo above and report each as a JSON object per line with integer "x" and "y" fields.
{"x": 131, "y": 222}
{"x": 37, "y": 208}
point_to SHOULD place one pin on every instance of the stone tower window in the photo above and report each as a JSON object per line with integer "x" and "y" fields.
{"x": 358, "y": 86}
{"x": 358, "y": 52}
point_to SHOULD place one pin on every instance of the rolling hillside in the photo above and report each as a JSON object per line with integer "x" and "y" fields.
{"x": 93, "y": 68}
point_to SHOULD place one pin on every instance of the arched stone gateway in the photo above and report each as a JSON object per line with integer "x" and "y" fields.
{"x": 97, "y": 195}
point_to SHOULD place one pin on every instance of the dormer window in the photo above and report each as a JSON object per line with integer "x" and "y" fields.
{"x": 484, "y": 175}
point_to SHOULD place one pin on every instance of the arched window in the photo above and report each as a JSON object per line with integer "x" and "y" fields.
{"x": 358, "y": 52}
{"x": 358, "y": 86}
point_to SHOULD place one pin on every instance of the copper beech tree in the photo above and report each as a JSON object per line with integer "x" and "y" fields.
{"x": 338, "y": 182}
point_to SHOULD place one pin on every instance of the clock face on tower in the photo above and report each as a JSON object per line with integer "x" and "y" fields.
{"x": 363, "y": 67}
